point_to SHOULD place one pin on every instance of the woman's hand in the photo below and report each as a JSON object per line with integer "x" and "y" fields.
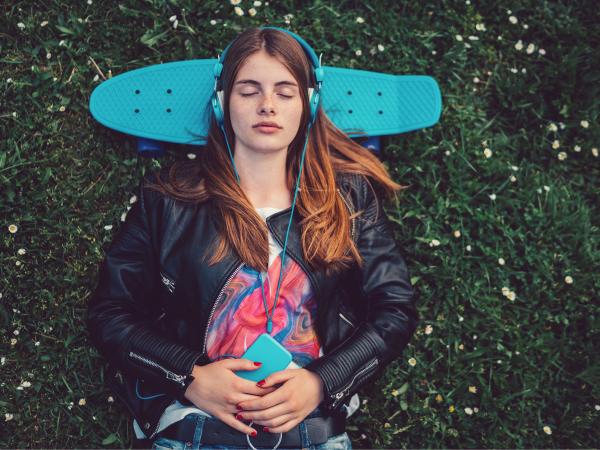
{"x": 280, "y": 411}
{"x": 216, "y": 389}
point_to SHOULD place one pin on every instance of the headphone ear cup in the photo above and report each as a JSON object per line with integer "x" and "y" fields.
{"x": 220, "y": 97}
{"x": 217, "y": 105}
{"x": 313, "y": 102}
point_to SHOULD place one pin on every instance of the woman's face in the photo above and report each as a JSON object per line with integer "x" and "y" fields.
{"x": 264, "y": 91}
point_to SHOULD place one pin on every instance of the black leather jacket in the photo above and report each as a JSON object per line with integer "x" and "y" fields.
{"x": 149, "y": 314}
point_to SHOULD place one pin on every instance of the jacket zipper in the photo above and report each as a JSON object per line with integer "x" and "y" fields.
{"x": 170, "y": 284}
{"x": 346, "y": 319}
{"x": 351, "y": 212}
{"x": 170, "y": 375}
{"x": 337, "y": 396}
{"x": 214, "y": 306}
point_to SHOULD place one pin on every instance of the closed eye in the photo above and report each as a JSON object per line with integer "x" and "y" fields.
{"x": 248, "y": 95}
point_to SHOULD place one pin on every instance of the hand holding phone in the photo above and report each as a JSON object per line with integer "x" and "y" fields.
{"x": 273, "y": 356}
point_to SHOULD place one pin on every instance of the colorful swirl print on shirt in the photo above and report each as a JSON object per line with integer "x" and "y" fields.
{"x": 240, "y": 316}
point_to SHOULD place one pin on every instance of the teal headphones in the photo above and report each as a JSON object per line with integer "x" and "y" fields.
{"x": 314, "y": 96}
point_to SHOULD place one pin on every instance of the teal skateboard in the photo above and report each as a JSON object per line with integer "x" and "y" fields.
{"x": 170, "y": 102}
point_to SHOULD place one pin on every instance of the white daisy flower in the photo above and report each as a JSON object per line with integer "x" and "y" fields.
{"x": 492, "y": 196}
{"x": 552, "y": 127}
{"x": 252, "y": 12}
{"x": 513, "y": 178}
{"x": 360, "y": 20}
{"x": 562, "y": 156}
{"x": 513, "y": 19}
{"x": 530, "y": 49}
{"x": 584, "y": 123}
{"x": 239, "y": 11}
{"x": 468, "y": 410}
{"x": 519, "y": 45}
{"x": 555, "y": 144}
{"x": 380, "y": 47}
{"x": 547, "y": 430}
{"x": 568, "y": 279}
{"x": 595, "y": 152}
{"x": 487, "y": 153}
{"x": 577, "y": 148}
{"x": 358, "y": 52}
{"x": 501, "y": 261}
{"x": 456, "y": 233}
{"x": 541, "y": 51}
{"x": 213, "y": 22}
{"x": 459, "y": 38}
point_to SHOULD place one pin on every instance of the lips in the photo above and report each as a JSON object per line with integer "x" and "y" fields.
{"x": 266, "y": 124}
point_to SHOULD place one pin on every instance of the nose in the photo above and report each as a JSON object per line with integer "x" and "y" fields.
{"x": 266, "y": 105}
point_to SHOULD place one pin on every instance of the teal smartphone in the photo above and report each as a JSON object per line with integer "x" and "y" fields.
{"x": 273, "y": 356}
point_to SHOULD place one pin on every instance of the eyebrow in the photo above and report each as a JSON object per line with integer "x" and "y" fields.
{"x": 256, "y": 83}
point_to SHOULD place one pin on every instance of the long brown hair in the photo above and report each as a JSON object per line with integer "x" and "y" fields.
{"x": 325, "y": 220}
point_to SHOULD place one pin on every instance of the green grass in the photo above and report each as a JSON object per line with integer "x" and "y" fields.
{"x": 64, "y": 177}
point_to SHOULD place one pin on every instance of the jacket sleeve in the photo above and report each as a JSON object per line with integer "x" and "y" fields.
{"x": 120, "y": 311}
{"x": 392, "y": 317}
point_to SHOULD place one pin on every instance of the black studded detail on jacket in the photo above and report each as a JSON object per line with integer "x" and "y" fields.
{"x": 150, "y": 311}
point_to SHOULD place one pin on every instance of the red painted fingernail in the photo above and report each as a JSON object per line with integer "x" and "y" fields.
{"x": 256, "y": 363}
{"x": 261, "y": 382}
{"x": 239, "y": 408}
{"x": 265, "y": 429}
{"x": 253, "y": 433}
{"x": 239, "y": 417}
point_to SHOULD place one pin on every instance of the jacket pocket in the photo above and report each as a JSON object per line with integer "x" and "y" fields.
{"x": 347, "y": 323}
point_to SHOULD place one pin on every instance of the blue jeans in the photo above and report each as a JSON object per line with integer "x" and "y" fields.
{"x": 338, "y": 442}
